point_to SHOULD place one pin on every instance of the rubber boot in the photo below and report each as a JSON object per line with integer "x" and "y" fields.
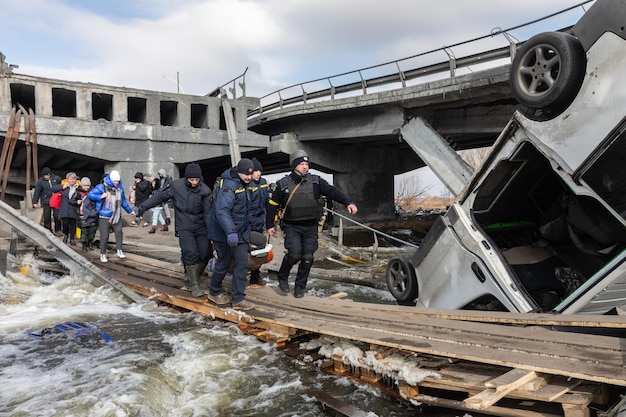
{"x": 194, "y": 280}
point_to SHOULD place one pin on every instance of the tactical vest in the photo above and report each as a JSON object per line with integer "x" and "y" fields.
{"x": 303, "y": 205}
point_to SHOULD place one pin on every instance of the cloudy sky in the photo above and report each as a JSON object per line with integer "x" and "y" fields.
{"x": 145, "y": 43}
{"x": 150, "y": 44}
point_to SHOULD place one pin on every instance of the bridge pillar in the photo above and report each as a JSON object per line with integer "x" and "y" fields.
{"x": 372, "y": 193}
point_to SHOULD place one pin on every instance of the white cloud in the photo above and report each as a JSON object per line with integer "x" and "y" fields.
{"x": 135, "y": 44}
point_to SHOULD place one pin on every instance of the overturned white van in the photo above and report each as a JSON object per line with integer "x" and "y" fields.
{"x": 541, "y": 226}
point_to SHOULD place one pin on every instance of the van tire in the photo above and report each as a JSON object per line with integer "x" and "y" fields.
{"x": 401, "y": 280}
{"x": 547, "y": 71}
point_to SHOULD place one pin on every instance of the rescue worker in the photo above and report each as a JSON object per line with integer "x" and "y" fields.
{"x": 259, "y": 196}
{"x": 297, "y": 196}
{"x": 192, "y": 207}
{"x": 230, "y": 232}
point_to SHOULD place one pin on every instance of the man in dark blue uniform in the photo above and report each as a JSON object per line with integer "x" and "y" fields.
{"x": 230, "y": 232}
{"x": 297, "y": 195}
{"x": 259, "y": 196}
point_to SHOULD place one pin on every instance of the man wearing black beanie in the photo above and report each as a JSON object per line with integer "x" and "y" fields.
{"x": 297, "y": 195}
{"x": 192, "y": 210}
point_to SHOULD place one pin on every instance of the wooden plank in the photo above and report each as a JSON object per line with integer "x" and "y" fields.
{"x": 339, "y": 407}
{"x": 498, "y": 388}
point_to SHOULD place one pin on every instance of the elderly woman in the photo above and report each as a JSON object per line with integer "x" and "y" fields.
{"x": 69, "y": 210}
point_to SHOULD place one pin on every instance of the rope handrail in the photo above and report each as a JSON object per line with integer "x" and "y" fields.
{"x": 370, "y": 228}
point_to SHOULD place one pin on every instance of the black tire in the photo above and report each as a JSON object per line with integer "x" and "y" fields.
{"x": 401, "y": 280}
{"x": 547, "y": 71}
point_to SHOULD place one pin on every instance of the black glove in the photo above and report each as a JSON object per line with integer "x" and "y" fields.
{"x": 139, "y": 212}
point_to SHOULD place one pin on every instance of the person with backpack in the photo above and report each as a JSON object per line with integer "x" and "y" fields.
{"x": 110, "y": 200}
{"x": 43, "y": 192}
{"x": 297, "y": 195}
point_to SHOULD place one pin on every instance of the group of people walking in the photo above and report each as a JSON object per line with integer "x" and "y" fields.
{"x": 207, "y": 222}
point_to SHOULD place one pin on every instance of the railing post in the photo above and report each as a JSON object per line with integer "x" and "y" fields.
{"x": 401, "y": 74}
{"x": 451, "y": 60}
{"x": 363, "y": 83}
{"x": 340, "y": 235}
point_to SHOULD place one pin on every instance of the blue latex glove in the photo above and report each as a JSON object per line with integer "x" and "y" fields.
{"x": 232, "y": 239}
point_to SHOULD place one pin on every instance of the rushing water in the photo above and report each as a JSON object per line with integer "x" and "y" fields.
{"x": 160, "y": 362}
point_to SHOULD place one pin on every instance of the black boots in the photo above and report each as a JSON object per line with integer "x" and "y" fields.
{"x": 165, "y": 228}
{"x": 65, "y": 237}
{"x": 72, "y": 241}
{"x": 193, "y": 272}
{"x": 85, "y": 246}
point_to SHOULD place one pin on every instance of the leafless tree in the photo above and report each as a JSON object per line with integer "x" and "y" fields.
{"x": 475, "y": 157}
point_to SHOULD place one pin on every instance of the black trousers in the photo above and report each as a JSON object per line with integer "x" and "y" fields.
{"x": 48, "y": 214}
{"x": 301, "y": 244}
{"x": 195, "y": 247}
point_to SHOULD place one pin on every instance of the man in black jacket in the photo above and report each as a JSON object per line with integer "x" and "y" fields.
{"x": 142, "y": 189}
{"x": 192, "y": 207}
{"x": 43, "y": 191}
{"x": 298, "y": 194}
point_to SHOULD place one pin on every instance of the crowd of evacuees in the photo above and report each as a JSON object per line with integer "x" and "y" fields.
{"x": 226, "y": 222}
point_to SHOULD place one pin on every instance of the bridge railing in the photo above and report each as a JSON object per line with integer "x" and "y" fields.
{"x": 359, "y": 83}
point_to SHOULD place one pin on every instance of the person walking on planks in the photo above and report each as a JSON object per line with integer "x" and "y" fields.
{"x": 192, "y": 207}
{"x": 297, "y": 195}
{"x": 43, "y": 192}
{"x": 259, "y": 196}
{"x": 230, "y": 232}
{"x": 110, "y": 200}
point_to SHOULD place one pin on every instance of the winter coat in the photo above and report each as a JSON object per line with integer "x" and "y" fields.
{"x": 43, "y": 189}
{"x": 143, "y": 189}
{"x": 259, "y": 196}
{"x": 231, "y": 208}
{"x": 68, "y": 209}
{"x": 192, "y": 205}
{"x": 321, "y": 187}
{"x": 87, "y": 210}
{"x": 107, "y": 186}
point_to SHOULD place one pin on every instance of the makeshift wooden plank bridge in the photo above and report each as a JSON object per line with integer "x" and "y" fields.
{"x": 493, "y": 363}
{"x": 482, "y": 362}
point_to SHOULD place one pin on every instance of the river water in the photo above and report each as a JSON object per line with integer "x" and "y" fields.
{"x": 160, "y": 362}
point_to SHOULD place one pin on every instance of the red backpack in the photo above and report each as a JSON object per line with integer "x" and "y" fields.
{"x": 55, "y": 200}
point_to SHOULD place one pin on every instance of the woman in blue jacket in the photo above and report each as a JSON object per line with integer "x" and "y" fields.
{"x": 110, "y": 200}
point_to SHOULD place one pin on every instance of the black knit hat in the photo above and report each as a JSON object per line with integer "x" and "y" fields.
{"x": 245, "y": 166}
{"x": 257, "y": 165}
{"x": 139, "y": 175}
{"x": 193, "y": 171}
{"x": 46, "y": 171}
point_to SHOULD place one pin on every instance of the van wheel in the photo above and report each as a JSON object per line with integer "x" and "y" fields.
{"x": 547, "y": 71}
{"x": 401, "y": 279}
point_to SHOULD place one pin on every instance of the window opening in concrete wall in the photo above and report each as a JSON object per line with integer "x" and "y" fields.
{"x": 169, "y": 113}
{"x": 223, "y": 119}
{"x": 102, "y": 106}
{"x": 199, "y": 115}
{"x": 137, "y": 109}
{"x": 23, "y": 94}
{"x": 63, "y": 102}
